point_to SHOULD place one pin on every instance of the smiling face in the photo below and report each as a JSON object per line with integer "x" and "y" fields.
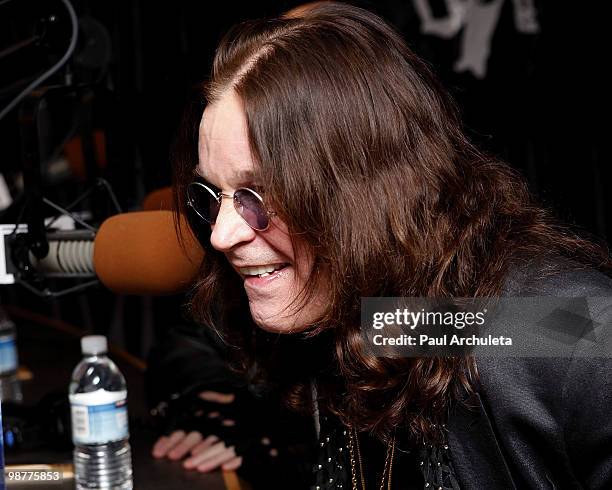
{"x": 266, "y": 260}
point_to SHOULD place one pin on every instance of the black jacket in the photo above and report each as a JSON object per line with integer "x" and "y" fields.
{"x": 542, "y": 423}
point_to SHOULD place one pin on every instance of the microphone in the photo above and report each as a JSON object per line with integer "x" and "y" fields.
{"x": 158, "y": 199}
{"x": 141, "y": 253}
{"x": 131, "y": 253}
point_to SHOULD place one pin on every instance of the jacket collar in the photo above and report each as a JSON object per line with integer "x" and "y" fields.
{"x": 476, "y": 456}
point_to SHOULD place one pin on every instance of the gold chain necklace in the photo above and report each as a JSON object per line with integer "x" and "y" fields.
{"x": 353, "y": 444}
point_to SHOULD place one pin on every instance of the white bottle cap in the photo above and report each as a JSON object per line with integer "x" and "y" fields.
{"x": 94, "y": 344}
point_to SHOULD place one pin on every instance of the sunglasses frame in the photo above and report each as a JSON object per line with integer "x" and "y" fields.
{"x": 218, "y": 196}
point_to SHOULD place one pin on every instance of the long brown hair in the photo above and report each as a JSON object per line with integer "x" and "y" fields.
{"x": 364, "y": 158}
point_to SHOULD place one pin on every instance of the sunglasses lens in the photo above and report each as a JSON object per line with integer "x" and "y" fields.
{"x": 203, "y": 202}
{"x": 251, "y": 208}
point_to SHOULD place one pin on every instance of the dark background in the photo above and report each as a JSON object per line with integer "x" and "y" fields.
{"x": 542, "y": 107}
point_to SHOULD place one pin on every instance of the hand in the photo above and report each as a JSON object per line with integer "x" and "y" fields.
{"x": 203, "y": 454}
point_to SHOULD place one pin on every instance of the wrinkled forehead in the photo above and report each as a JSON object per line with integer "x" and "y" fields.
{"x": 225, "y": 118}
{"x": 223, "y": 136}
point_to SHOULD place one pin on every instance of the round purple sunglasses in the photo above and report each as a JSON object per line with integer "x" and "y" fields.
{"x": 247, "y": 203}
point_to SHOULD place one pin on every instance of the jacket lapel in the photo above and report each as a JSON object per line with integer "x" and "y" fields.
{"x": 476, "y": 456}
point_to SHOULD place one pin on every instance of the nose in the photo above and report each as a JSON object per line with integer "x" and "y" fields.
{"x": 229, "y": 229}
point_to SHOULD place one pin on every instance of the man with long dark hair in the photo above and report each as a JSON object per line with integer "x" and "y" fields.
{"x": 329, "y": 165}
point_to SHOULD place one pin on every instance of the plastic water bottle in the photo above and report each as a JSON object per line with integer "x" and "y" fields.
{"x": 2, "y": 486}
{"x": 98, "y": 404}
{"x": 10, "y": 387}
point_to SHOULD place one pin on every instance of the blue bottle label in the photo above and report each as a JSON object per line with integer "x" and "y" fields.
{"x": 8, "y": 354}
{"x": 99, "y": 417}
{"x": 2, "y": 487}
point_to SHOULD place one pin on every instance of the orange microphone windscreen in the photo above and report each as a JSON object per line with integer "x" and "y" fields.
{"x": 160, "y": 199}
{"x": 140, "y": 253}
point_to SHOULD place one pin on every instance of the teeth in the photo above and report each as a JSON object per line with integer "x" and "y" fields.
{"x": 261, "y": 270}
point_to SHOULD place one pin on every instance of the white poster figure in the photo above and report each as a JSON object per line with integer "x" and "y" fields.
{"x": 480, "y": 23}
{"x": 478, "y": 20}
{"x": 444, "y": 27}
{"x": 526, "y": 17}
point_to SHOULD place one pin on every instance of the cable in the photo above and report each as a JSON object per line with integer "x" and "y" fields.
{"x": 54, "y": 68}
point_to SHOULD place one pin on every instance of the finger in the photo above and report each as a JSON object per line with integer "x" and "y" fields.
{"x": 205, "y": 444}
{"x": 233, "y": 464}
{"x": 204, "y": 455}
{"x": 184, "y": 446}
{"x": 224, "y": 457}
{"x": 160, "y": 447}
{"x": 215, "y": 396}
{"x": 165, "y": 443}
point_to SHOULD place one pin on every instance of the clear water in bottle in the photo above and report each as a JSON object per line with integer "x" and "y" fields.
{"x": 98, "y": 403}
